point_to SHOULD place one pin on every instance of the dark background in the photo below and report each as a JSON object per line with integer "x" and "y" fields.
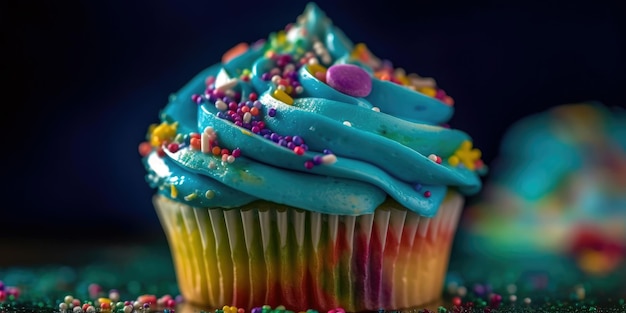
{"x": 84, "y": 79}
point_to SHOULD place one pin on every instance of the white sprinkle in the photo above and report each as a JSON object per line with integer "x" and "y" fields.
{"x": 212, "y": 165}
{"x": 205, "y": 145}
{"x": 91, "y": 309}
{"x": 221, "y": 105}
{"x": 527, "y": 300}
{"x": 329, "y": 159}
{"x": 209, "y": 130}
{"x": 114, "y": 296}
{"x": 347, "y": 123}
{"x": 68, "y": 299}
{"x": 247, "y": 117}
{"x": 128, "y": 309}
{"x": 462, "y": 291}
{"x": 275, "y": 79}
{"x": 227, "y": 85}
{"x": 299, "y": 89}
{"x": 512, "y": 298}
{"x": 230, "y": 159}
{"x": 77, "y": 309}
{"x": 432, "y": 157}
{"x": 511, "y": 288}
{"x": 313, "y": 60}
{"x": 62, "y": 306}
{"x": 281, "y": 87}
{"x": 376, "y": 109}
{"x": 326, "y": 59}
{"x": 209, "y": 194}
{"x": 290, "y": 67}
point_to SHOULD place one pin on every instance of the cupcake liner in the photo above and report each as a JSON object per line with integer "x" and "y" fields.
{"x": 266, "y": 253}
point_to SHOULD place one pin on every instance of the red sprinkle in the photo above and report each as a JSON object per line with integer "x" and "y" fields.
{"x": 456, "y": 301}
{"x": 427, "y": 194}
{"x": 145, "y": 148}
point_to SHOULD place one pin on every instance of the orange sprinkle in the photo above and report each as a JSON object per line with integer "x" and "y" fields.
{"x": 385, "y": 76}
{"x": 234, "y": 52}
{"x": 216, "y": 150}
{"x": 195, "y": 143}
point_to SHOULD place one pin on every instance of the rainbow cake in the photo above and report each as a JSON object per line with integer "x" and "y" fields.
{"x": 556, "y": 195}
{"x": 304, "y": 171}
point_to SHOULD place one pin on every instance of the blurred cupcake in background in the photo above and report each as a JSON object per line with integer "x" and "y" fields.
{"x": 556, "y": 198}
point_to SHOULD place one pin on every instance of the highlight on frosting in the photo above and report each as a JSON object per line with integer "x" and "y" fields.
{"x": 308, "y": 119}
{"x": 557, "y": 190}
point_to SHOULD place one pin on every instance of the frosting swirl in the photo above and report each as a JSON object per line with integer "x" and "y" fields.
{"x": 307, "y": 119}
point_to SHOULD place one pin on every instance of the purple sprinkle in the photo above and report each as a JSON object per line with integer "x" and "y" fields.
{"x": 327, "y": 151}
{"x": 291, "y": 145}
{"x": 256, "y": 310}
{"x": 274, "y": 137}
{"x": 1, "y": 285}
{"x": 297, "y": 140}
{"x": 288, "y": 138}
{"x": 349, "y": 79}
{"x": 317, "y": 160}
{"x": 271, "y": 112}
{"x": 239, "y": 123}
{"x": 265, "y": 131}
{"x": 304, "y": 147}
{"x": 479, "y": 289}
{"x": 195, "y": 97}
{"x": 266, "y": 76}
{"x": 309, "y": 164}
{"x": 255, "y": 129}
{"x": 226, "y": 99}
{"x": 418, "y": 186}
{"x": 282, "y": 142}
{"x": 247, "y": 125}
{"x": 257, "y": 104}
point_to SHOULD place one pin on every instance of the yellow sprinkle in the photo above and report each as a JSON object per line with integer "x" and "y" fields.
{"x": 246, "y": 132}
{"x": 359, "y": 48}
{"x": 246, "y": 72}
{"x": 173, "y": 191}
{"x": 104, "y": 300}
{"x": 191, "y": 196}
{"x": 403, "y": 80}
{"x": 229, "y": 309}
{"x": 429, "y": 91}
{"x": 163, "y": 132}
{"x": 281, "y": 38}
{"x": 282, "y": 96}
{"x": 209, "y": 194}
{"x": 454, "y": 160}
{"x": 314, "y": 68}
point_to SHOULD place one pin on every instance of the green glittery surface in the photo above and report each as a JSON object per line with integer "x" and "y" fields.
{"x": 141, "y": 270}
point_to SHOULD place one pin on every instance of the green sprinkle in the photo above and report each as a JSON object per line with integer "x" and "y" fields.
{"x": 442, "y": 309}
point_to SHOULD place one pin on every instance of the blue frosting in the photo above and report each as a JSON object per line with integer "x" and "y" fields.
{"x": 383, "y": 152}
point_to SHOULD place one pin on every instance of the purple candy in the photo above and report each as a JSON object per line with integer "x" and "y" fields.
{"x": 349, "y": 79}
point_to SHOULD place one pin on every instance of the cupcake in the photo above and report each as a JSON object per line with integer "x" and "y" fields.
{"x": 304, "y": 171}
{"x": 555, "y": 199}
